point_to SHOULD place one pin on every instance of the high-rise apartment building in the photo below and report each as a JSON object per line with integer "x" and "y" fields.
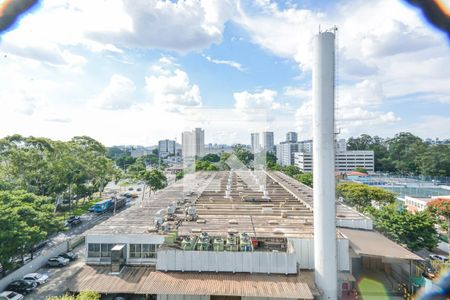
{"x": 291, "y": 137}
{"x": 255, "y": 142}
{"x": 267, "y": 141}
{"x": 166, "y": 148}
{"x": 285, "y": 153}
{"x": 193, "y": 142}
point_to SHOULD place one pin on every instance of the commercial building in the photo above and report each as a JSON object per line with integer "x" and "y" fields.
{"x": 193, "y": 143}
{"x": 345, "y": 161}
{"x": 285, "y": 153}
{"x": 166, "y": 148}
{"x": 255, "y": 144}
{"x": 291, "y": 137}
{"x": 217, "y": 235}
{"x": 267, "y": 141}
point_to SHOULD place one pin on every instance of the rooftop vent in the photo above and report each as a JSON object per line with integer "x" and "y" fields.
{"x": 278, "y": 231}
{"x": 273, "y": 222}
{"x": 196, "y": 230}
{"x": 232, "y": 230}
{"x": 201, "y": 221}
{"x": 232, "y": 221}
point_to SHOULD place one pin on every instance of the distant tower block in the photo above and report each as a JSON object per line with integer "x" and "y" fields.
{"x": 325, "y": 262}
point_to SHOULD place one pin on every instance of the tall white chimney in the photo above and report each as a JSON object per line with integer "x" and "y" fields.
{"x": 325, "y": 262}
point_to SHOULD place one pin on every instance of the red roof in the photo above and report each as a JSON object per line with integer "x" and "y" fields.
{"x": 355, "y": 173}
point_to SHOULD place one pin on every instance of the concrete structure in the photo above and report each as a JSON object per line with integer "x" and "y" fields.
{"x": 285, "y": 153}
{"x": 193, "y": 143}
{"x": 166, "y": 148}
{"x": 255, "y": 143}
{"x": 325, "y": 249}
{"x": 344, "y": 161}
{"x": 267, "y": 141}
{"x": 305, "y": 146}
{"x": 291, "y": 137}
{"x": 162, "y": 243}
{"x": 341, "y": 145}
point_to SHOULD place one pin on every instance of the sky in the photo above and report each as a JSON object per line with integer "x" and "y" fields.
{"x": 134, "y": 72}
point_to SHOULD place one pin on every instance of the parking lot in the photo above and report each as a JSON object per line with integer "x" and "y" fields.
{"x": 57, "y": 278}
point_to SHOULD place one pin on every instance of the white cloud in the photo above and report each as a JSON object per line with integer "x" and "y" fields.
{"x": 257, "y": 106}
{"x": 170, "y": 87}
{"x": 230, "y": 63}
{"x": 181, "y": 26}
{"x": 118, "y": 94}
{"x": 357, "y": 109}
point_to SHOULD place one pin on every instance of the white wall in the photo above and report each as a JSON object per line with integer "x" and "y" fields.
{"x": 304, "y": 252}
{"x": 212, "y": 261}
{"x": 34, "y": 265}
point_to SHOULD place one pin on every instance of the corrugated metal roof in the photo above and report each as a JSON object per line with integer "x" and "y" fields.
{"x": 371, "y": 243}
{"x": 145, "y": 280}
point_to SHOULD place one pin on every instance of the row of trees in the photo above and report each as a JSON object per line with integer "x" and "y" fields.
{"x": 415, "y": 230}
{"x": 405, "y": 154}
{"x": 25, "y": 220}
{"x": 57, "y": 169}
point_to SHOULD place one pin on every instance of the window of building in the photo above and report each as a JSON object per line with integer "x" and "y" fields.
{"x": 99, "y": 250}
{"x": 93, "y": 250}
{"x": 143, "y": 250}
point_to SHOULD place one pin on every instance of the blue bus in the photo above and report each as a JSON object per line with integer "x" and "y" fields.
{"x": 102, "y": 206}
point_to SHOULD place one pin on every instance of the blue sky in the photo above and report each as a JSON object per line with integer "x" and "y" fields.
{"x": 134, "y": 72}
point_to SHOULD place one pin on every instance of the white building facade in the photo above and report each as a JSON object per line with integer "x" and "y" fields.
{"x": 193, "y": 143}
{"x": 285, "y": 153}
{"x": 345, "y": 161}
{"x": 166, "y": 148}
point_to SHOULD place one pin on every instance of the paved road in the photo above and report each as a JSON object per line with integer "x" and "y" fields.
{"x": 58, "y": 277}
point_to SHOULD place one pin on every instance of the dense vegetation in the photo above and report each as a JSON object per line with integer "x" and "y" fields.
{"x": 414, "y": 230}
{"x": 405, "y": 154}
{"x": 37, "y": 175}
{"x": 87, "y": 295}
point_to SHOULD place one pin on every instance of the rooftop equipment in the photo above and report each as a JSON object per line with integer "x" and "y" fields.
{"x": 232, "y": 243}
{"x": 188, "y": 243}
{"x": 219, "y": 244}
{"x": 245, "y": 242}
{"x": 203, "y": 242}
{"x": 191, "y": 213}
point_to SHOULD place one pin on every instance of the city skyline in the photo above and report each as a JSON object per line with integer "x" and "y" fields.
{"x": 112, "y": 80}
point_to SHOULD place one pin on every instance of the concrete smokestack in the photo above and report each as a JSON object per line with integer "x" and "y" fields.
{"x": 325, "y": 262}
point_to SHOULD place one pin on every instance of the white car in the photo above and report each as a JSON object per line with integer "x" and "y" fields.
{"x": 7, "y": 295}
{"x": 36, "y": 277}
{"x": 438, "y": 257}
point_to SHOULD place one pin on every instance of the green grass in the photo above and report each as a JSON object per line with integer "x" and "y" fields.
{"x": 77, "y": 210}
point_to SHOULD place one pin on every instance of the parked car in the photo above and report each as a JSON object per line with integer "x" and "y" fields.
{"x": 138, "y": 189}
{"x": 57, "y": 262}
{"x": 69, "y": 255}
{"x": 127, "y": 195}
{"x": 438, "y": 257}
{"x": 21, "y": 286}
{"x": 36, "y": 277}
{"x": 73, "y": 221}
{"x": 10, "y": 295}
{"x": 130, "y": 189}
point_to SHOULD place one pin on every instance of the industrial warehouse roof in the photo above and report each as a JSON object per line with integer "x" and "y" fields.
{"x": 287, "y": 214}
{"x": 371, "y": 243}
{"x": 145, "y": 280}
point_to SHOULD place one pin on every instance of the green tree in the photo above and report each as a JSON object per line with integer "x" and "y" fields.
{"x": 223, "y": 158}
{"x": 243, "y": 154}
{"x": 271, "y": 161}
{"x": 404, "y": 148}
{"x": 435, "y": 161}
{"x": 361, "y": 195}
{"x": 416, "y": 231}
{"x": 179, "y": 175}
{"x": 154, "y": 179}
{"x": 211, "y": 157}
{"x": 291, "y": 170}
{"x": 305, "y": 178}
{"x": 201, "y": 165}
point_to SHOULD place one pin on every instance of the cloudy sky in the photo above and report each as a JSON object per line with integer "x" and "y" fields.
{"x": 136, "y": 71}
